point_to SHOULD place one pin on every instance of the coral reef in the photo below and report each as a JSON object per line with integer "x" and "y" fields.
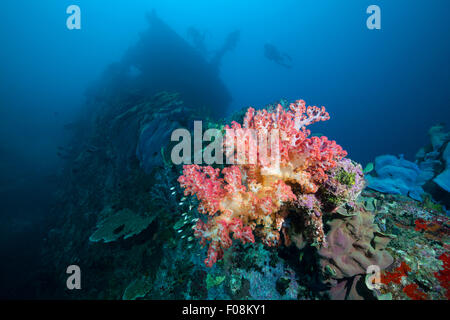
{"x": 120, "y": 192}
{"x": 419, "y": 248}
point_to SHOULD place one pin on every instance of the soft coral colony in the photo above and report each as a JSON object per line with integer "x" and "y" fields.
{"x": 257, "y": 199}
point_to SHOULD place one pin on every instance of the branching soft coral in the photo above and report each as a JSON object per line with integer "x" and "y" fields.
{"x": 234, "y": 207}
{"x": 303, "y": 160}
{"x": 249, "y": 198}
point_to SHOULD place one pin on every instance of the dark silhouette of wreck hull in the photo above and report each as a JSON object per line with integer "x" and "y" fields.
{"x": 163, "y": 61}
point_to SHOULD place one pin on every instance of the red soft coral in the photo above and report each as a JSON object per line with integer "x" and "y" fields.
{"x": 204, "y": 182}
{"x": 249, "y": 196}
{"x": 218, "y": 232}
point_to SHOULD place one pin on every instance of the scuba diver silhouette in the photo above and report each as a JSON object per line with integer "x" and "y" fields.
{"x": 271, "y": 52}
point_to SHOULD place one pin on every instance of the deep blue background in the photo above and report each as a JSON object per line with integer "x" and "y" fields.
{"x": 383, "y": 88}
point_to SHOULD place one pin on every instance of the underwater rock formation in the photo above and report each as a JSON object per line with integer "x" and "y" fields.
{"x": 443, "y": 178}
{"x": 430, "y": 172}
{"x": 435, "y": 159}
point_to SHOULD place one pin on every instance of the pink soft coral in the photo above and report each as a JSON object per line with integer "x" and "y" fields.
{"x": 251, "y": 197}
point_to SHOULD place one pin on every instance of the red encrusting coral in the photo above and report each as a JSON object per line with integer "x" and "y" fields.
{"x": 396, "y": 275}
{"x": 444, "y": 275}
{"x": 437, "y": 227}
{"x": 412, "y": 291}
{"x": 250, "y": 196}
{"x": 421, "y": 224}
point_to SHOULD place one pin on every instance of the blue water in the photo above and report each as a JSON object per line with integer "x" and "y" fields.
{"x": 383, "y": 88}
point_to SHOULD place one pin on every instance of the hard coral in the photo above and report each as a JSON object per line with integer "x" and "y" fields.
{"x": 254, "y": 197}
{"x": 354, "y": 243}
